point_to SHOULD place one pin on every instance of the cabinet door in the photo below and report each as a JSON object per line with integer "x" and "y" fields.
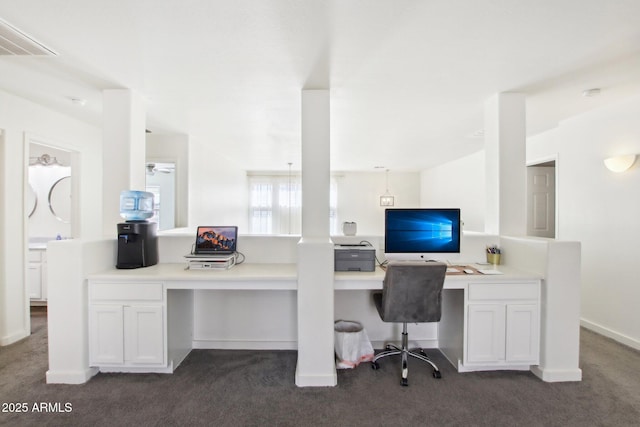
{"x": 106, "y": 334}
{"x": 44, "y": 283}
{"x": 35, "y": 280}
{"x": 485, "y": 333}
{"x": 522, "y": 333}
{"x": 144, "y": 334}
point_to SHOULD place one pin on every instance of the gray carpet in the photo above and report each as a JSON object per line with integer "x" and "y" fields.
{"x": 243, "y": 388}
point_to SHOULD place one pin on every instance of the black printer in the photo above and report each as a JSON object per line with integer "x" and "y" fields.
{"x": 358, "y": 257}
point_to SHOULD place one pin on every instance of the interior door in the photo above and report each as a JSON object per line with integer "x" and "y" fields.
{"x": 541, "y": 201}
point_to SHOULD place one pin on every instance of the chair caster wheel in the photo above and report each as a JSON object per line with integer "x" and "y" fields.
{"x": 387, "y": 347}
{"x": 437, "y": 374}
{"x": 375, "y": 366}
{"x": 404, "y": 382}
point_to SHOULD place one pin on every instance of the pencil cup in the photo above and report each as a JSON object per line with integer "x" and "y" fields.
{"x": 493, "y": 258}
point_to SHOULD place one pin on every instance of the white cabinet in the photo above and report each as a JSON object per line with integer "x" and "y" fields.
{"x": 37, "y": 275}
{"x": 106, "y": 334}
{"x": 127, "y": 325}
{"x": 485, "y": 333}
{"x": 503, "y": 326}
{"x": 143, "y": 334}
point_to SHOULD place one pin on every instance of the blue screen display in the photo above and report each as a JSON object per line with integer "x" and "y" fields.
{"x": 422, "y": 230}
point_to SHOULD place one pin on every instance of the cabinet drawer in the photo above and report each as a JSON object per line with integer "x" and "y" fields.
{"x": 125, "y": 291}
{"x": 503, "y": 291}
{"x": 34, "y": 256}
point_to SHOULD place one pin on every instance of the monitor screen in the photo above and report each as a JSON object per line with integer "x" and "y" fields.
{"x": 422, "y": 231}
{"x": 216, "y": 239}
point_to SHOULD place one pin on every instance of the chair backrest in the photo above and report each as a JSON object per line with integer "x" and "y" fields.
{"x": 412, "y": 291}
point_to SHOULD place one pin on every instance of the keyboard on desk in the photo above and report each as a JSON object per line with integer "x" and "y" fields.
{"x": 452, "y": 269}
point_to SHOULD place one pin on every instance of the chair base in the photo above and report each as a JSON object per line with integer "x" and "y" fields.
{"x": 405, "y": 352}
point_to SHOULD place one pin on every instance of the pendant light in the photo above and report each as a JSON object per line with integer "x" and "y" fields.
{"x": 387, "y": 199}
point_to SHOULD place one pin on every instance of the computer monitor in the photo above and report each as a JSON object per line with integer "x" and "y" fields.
{"x": 422, "y": 233}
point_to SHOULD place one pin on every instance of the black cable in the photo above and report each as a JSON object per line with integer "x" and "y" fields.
{"x": 368, "y": 243}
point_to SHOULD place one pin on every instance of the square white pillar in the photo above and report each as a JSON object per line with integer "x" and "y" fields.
{"x": 506, "y": 174}
{"x": 316, "y": 361}
{"x": 123, "y": 149}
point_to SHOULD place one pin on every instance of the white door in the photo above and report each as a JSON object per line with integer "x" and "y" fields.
{"x": 144, "y": 334}
{"x": 106, "y": 339}
{"x": 541, "y": 201}
{"x": 485, "y": 333}
{"x": 522, "y": 333}
{"x": 35, "y": 280}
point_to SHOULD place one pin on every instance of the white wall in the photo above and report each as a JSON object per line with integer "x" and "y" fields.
{"x": 359, "y": 197}
{"x": 24, "y": 122}
{"x": 218, "y": 189}
{"x": 458, "y": 184}
{"x": 600, "y": 209}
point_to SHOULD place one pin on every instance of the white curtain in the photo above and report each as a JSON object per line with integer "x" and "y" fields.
{"x": 275, "y": 204}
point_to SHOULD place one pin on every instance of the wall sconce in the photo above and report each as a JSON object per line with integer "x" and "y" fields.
{"x": 387, "y": 199}
{"x": 620, "y": 163}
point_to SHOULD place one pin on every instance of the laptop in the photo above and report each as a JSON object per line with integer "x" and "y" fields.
{"x": 215, "y": 240}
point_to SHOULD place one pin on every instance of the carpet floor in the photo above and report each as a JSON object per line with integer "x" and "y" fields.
{"x": 256, "y": 388}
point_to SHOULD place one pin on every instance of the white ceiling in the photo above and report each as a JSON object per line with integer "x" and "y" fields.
{"x": 408, "y": 78}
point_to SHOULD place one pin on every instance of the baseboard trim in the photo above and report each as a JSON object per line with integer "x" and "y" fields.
{"x": 243, "y": 345}
{"x": 621, "y": 338}
{"x": 329, "y": 380}
{"x": 557, "y": 375}
{"x": 137, "y": 370}
{"x": 13, "y": 338}
{"x": 70, "y": 377}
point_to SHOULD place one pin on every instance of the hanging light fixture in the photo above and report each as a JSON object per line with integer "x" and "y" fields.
{"x": 387, "y": 199}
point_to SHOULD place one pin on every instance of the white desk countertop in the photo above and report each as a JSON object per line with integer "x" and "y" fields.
{"x": 277, "y": 277}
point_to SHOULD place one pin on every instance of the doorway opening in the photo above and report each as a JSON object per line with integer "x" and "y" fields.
{"x": 49, "y": 212}
{"x": 161, "y": 181}
{"x": 542, "y": 199}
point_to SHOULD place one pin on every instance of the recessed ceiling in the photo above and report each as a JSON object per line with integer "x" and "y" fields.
{"x": 408, "y": 79}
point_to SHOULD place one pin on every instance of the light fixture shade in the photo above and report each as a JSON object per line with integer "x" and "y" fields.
{"x": 386, "y": 200}
{"x": 620, "y": 163}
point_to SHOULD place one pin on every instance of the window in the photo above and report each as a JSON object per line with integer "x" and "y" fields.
{"x": 275, "y": 204}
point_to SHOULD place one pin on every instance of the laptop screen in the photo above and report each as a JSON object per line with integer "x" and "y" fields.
{"x": 216, "y": 239}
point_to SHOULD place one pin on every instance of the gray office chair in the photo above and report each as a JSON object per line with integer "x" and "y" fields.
{"x": 411, "y": 293}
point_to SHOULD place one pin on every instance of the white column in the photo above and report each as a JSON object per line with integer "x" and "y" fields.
{"x": 14, "y": 299}
{"x": 560, "y": 319}
{"x": 316, "y": 363}
{"x": 506, "y": 178}
{"x": 123, "y": 151}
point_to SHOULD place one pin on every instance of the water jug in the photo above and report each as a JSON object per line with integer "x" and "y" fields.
{"x": 136, "y": 205}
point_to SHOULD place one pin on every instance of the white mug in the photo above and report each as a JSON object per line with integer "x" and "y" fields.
{"x": 349, "y": 228}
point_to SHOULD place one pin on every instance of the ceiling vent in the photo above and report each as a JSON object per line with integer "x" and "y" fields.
{"x": 15, "y": 42}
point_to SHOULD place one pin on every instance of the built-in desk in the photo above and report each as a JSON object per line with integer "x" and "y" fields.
{"x": 177, "y": 276}
{"x": 489, "y": 322}
{"x": 141, "y": 320}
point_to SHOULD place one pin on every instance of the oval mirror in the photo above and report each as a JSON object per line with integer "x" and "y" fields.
{"x": 60, "y": 199}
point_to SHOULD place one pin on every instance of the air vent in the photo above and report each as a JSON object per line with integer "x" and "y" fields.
{"x": 15, "y": 42}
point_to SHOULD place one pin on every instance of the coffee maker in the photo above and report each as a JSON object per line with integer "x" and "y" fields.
{"x": 137, "y": 239}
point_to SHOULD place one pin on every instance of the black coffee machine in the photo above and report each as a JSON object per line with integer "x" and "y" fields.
{"x": 137, "y": 239}
{"x": 137, "y": 244}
